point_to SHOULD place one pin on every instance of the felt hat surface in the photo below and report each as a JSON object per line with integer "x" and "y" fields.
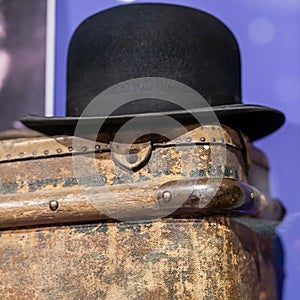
{"x": 156, "y": 40}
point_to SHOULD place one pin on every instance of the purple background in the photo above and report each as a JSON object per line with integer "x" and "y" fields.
{"x": 22, "y": 60}
{"x": 269, "y": 39}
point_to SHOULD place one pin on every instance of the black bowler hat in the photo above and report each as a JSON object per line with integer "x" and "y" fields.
{"x": 157, "y": 40}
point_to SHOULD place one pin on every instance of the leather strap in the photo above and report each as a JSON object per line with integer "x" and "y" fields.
{"x": 139, "y": 202}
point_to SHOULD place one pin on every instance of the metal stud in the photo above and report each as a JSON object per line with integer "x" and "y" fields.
{"x": 70, "y": 149}
{"x": 202, "y": 139}
{"x": 188, "y": 140}
{"x": 34, "y": 153}
{"x": 21, "y": 154}
{"x": 58, "y": 150}
{"x": 167, "y": 196}
{"x": 132, "y": 157}
{"x": 83, "y": 149}
{"x": 46, "y": 152}
{"x": 8, "y": 156}
{"x": 53, "y": 205}
{"x": 97, "y": 147}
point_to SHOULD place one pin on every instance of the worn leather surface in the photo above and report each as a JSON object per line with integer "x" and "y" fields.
{"x": 206, "y": 258}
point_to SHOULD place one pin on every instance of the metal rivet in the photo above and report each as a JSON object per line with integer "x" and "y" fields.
{"x": 132, "y": 157}
{"x": 34, "y": 153}
{"x": 8, "y": 156}
{"x": 189, "y": 140}
{"x": 70, "y": 149}
{"x": 202, "y": 139}
{"x": 97, "y": 147}
{"x": 21, "y": 154}
{"x": 53, "y": 204}
{"x": 167, "y": 196}
{"x": 58, "y": 150}
{"x": 252, "y": 195}
{"x": 46, "y": 152}
{"x": 83, "y": 149}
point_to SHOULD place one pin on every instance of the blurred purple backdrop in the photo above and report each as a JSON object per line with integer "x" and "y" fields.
{"x": 269, "y": 39}
{"x": 22, "y": 60}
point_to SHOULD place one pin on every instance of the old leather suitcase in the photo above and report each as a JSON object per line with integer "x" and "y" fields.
{"x": 138, "y": 241}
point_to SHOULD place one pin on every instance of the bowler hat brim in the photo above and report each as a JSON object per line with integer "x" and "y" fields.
{"x": 253, "y": 120}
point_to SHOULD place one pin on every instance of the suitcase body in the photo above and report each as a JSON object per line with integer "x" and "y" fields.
{"x": 58, "y": 243}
